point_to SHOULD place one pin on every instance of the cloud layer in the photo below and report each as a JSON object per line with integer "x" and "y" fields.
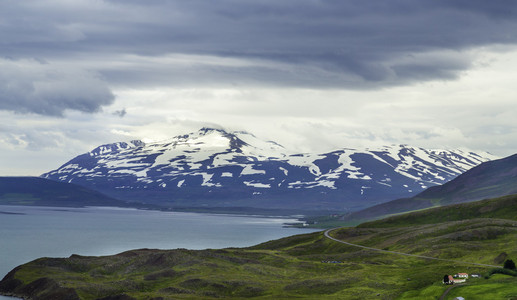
{"x": 311, "y": 74}
{"x": 336, "y": 44}
{"x": 29, "y": 86}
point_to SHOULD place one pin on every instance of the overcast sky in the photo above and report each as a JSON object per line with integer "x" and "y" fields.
{"x": 313, "y": 75}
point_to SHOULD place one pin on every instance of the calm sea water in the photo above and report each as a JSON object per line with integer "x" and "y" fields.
{"x": 27, "y": 233}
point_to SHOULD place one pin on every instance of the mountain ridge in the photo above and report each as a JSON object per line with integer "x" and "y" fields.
{"x": 213, "y": 167}
{"x": 491, "y": 179}
{"x": 26, "y": 190}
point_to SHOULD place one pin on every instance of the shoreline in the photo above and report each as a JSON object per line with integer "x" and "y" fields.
{"x": 299, "y": 217}
{"x": 199, "y": 219}
{"x": 12, "y": 296}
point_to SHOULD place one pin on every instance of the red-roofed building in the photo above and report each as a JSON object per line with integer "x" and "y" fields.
{"x": 448, "y": 279}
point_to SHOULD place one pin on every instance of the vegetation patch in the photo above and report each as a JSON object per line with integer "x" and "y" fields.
{"x": 318, "y": 286}
{"x": 303, "y": 266}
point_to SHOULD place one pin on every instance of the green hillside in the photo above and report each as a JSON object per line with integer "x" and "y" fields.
{"x": 488, "y": 180}
{"x": 307, "y": 266}
{"x": 498, "y": 208}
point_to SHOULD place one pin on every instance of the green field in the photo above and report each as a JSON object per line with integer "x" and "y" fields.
{"x": 503, "y": 207}
{"x": 303, "y": 266}
{"x": 294, "y": 267}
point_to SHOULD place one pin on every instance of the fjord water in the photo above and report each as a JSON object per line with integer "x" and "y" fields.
{"x": 27, "y": 233}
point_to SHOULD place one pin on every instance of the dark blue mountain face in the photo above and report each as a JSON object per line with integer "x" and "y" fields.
{"x": 490, "y": 179}
{"x": 216, "y": 168}
{"x": 43, "y": 192}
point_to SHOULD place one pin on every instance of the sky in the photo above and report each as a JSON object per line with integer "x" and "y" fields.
{"x": 312, "y": 75}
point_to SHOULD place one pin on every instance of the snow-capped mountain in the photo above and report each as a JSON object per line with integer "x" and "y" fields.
{"x": 213, "y": 167}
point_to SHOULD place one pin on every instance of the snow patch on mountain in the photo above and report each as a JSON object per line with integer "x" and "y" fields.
{"x": 213, "y": 160}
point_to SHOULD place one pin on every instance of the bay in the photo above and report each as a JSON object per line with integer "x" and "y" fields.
{"x": 28, "y": 232}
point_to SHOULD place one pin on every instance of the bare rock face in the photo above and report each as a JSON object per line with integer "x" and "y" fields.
{"x": 9, "y": 284}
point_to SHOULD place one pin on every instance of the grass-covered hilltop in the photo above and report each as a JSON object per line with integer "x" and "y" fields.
{"x": 470, "y": 238}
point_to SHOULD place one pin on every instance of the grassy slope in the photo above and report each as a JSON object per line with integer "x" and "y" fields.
{"x": 497, "y": 287}
{"x": 501, "y": 208}
{"x": 482, "y": 232}
{"x": 286, "y": 268}
{"x": 488, "y": 180}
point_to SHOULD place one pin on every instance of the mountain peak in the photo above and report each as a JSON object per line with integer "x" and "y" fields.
{"x": 490, "y": 179}
{"x": 114, "y": 147}
{"x": 211, "y": 166}
{"x": 209, "y": 130}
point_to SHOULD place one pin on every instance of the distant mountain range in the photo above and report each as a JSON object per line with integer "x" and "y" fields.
{"x": 489, "y": 180}
{"x": 216, "y": 168}
{"x": 37, "y": 191}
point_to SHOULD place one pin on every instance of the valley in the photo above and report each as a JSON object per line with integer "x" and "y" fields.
{"x": 306, "y": 266}
{"x": 169, "y": 149}
{"x": 380, "y": 251}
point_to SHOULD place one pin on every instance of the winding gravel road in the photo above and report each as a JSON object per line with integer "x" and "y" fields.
{"x": 327, "y": 235}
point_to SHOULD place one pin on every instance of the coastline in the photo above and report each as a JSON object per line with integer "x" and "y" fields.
{"x": 11, "y": 297}
{"x": 302, "y": 219}
{"x": 69, "y": 230}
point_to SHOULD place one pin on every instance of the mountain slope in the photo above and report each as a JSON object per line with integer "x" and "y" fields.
{"x": 497, "y": 208}
{"x": 488, "y": 180}
{"x": 44, "y": 192}
{"x": 213, "y": 167}
{"x": 308, "y": 266}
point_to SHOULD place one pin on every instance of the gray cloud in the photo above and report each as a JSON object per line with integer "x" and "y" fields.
{"x": 342, "y": 44}
{"x": 29, "y": 86}
{"x": 120, "y": 113}
{"x": 180, "y": 65}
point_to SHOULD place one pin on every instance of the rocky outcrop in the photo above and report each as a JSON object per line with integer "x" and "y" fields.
{"x": 40, "y": 289}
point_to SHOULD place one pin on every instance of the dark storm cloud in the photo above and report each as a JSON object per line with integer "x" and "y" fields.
{"x": 29, "y": 86}
{"x": 316, "y": 43}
